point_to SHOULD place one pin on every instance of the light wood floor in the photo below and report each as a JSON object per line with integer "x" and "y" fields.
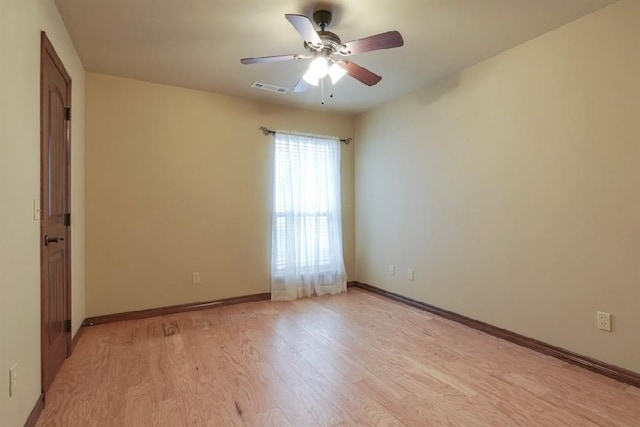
{"x": 351, "y": 359}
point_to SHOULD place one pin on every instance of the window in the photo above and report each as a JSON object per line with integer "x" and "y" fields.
{"x": 307, "y": 218}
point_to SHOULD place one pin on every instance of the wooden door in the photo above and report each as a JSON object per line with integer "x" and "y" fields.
{"x": 55, "y": 107}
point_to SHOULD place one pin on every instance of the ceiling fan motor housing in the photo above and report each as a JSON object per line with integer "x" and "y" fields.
{"x": 322, "y": 18}
{"x": 331, "y": 43}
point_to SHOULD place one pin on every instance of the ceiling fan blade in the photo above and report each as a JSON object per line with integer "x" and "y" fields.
{"x": 360, "y": 73}
{"x": 386, "y": 40}
{"x": 302, "y": 25}
{"x": 301, "y": 86}
{"x": 277, "y": 58}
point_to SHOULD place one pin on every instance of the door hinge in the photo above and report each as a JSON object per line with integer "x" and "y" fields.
{"x": 67, "y": 113}
{"x": 66, "y": 219}
{"x": 68, "y": 325}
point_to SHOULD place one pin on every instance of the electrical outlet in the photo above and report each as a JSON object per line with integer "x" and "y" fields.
{"x": 392, "y": 270}
{"x": 13, "y": 380}
{"x": 195, "y": 277}
{"x": 604, "y": 321}
{"x": 410, "y": 274}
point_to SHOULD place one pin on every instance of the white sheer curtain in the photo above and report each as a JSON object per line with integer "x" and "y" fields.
{"x": 306, "y": 244}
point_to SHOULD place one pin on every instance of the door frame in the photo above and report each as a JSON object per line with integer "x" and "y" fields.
{"x": 47, "y": 50}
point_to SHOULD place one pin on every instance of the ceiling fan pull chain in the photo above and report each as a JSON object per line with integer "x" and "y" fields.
{"x": 322, "y": 89}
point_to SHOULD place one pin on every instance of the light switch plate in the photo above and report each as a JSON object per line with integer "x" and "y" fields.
{"x": 13, "y": 380}
{"x": 36, "y": 210}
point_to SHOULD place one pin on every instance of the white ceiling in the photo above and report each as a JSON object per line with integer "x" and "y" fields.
{"x": 198, "y": 43}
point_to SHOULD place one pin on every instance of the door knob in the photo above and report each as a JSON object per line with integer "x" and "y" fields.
{"x": 48, "y": 239}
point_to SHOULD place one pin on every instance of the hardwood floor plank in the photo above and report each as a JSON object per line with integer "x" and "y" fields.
{"x": 527, "y": 383}
{"x": 633, "y": 390}
{"x": 350, "y": 359}
{"x": 166, "y": 414}
{"x": 249, "y": 386}
{"x": 139, "y": 405}
{"x": 321, "y": 406}
{"x": 271, "y": 418}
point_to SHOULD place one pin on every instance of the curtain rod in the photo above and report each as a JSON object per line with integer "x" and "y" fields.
{"x": 265, "y": 130}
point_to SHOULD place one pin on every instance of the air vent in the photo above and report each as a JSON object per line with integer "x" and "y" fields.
{"x": 270, "y": 88}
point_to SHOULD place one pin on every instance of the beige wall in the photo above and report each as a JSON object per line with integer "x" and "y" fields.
{"x": 513, "y": 189}
{"x": 20, "y": 24}
{"x": 178, "y": 181}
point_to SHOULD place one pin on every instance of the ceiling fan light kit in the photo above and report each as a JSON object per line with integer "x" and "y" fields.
{"x": 336, "y": 72}
{"x": 321, "y": 46}
{"x": 320, "y": 68}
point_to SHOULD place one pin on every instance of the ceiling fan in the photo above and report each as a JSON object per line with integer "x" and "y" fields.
{"x": 324, "y": 49}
